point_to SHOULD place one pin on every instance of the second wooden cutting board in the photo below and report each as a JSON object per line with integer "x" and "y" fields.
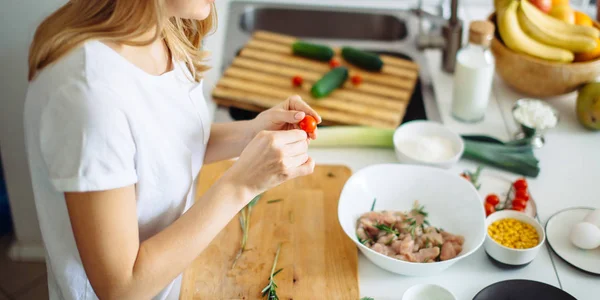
{"x": 318, "y": 259}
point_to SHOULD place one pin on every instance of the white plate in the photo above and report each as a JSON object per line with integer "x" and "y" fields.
{"x": 492, "y": 183}
{"x": 557, "y": 233}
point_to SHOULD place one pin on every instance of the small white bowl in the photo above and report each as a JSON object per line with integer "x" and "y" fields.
{"x": 396, "y": 187}
{"x": 414, "y": 129}
{"x": 428, "y": 292}
{"x": 509, "y": 256}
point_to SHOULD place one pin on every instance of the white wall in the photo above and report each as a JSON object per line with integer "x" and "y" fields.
{"x": 18, "y": 20}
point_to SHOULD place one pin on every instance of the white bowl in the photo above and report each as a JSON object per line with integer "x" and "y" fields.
{"x": 414, "y": 129}
{"x": 452, "y": 203}
{"x": 509, "y": 256}
{"x": 428, "y": 292}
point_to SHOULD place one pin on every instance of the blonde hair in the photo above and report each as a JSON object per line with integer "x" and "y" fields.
{"x": 119, "y": 21}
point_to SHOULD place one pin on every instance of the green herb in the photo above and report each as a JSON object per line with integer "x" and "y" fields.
{"x": 270, "y": 291}
{"x": 364, "y": 242}
{"x": 274, "y": 201}
{"x": 420, "y": 210}
{"x": 387, "y": 229}
{"x": 474, "y": 177}
{"x": 373, "y": 205}
{"x": 367, "y": 298}
{"x": 245, "y": 225}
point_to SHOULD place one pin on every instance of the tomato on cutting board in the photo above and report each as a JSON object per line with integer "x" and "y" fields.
{"x": 308, "y": 124}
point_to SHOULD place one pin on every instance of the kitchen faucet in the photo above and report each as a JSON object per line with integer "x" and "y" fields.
{"x": 437, "y": 32}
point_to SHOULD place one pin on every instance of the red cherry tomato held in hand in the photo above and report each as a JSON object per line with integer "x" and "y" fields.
{"x": 519, "y": 202}
{"x": 308, "y": 124}
{"x": 522, "y": 194}
{"x": 334, "y": 63}
{"x": 492, "y": 199}
{"x": 520, "y": 184}
{"x": 489, "y": 209}
{"x": 297, "y": 81}
{"x": 518, "y": 208}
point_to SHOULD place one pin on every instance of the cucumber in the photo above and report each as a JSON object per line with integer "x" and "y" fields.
{"x": 329, "y": 82}
{"x": 362, "y": 59}
{"x": 312, "y": 51}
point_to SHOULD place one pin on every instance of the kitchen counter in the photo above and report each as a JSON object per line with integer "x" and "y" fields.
{"x": 567, "y": 177}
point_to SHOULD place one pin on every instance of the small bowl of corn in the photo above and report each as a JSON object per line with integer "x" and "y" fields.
{"x": 513, "y": 238}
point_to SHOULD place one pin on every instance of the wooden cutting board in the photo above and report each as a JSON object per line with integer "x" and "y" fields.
{"x": 319, "y": 261}
{"x": 260, "y": 77}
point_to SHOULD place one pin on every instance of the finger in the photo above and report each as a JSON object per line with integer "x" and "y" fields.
{"x": 290, "y": 162}
{"x": 296, "y": 148}
{"x": 306, "y": 168}
{"x": 287, "y": 116}
{"x": 285, "y": 137}
{"x": 296, "y": 103}
{"x": 313, "y": 135}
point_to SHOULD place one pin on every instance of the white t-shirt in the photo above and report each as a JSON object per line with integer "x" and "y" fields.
{"x": 94, "y": 121}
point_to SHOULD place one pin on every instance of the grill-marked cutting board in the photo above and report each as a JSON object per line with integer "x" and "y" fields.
{"x": 318, "y": 259}
{"x": 260, "y": 77}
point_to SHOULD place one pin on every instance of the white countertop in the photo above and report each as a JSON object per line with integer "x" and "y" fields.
{"x": 569, "y": 177}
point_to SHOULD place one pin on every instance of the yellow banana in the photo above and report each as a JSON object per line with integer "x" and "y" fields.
{"x": 515, "y": 39}
{"x": 550, "y": 23}
{"x": 575, "y": 43}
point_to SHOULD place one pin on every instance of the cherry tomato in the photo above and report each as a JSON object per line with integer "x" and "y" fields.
{"x": 492, "y": 199}
{"x": 520, "y": 184}
{"x": 308, "y": 124}
{"x": 297, "y": 81}
{"x": 523, "y": 194}
{"x": 519, "y": 202}
{"x": 518, "y": 208}
{"x": 489, "y": 209}
{"x": 334, "y": 63}
{"x": 356, "y": 79}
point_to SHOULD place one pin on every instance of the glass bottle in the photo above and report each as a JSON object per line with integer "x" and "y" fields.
{"x": 474, "y": 74}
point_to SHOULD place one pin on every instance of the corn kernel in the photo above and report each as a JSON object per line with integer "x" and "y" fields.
{"x": 513, "y": 233}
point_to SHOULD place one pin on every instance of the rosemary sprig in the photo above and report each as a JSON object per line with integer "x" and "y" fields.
{"x": 387, "y": 229}
{"x": 274, "y": 201}
{"x": 473, "y": 177}
{"x": 245, "y": 225}
{"x": 373, "y": 205}
{"x": 270, "y": 291}
{"x": 365, "y": 241}
{"x": 420, "y": 210}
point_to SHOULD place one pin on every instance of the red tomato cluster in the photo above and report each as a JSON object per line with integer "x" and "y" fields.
{"x": 518, "y": 196}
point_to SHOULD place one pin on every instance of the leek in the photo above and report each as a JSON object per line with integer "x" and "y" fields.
{"x": 513, "y": 156}
{"x": 353, "y": 136}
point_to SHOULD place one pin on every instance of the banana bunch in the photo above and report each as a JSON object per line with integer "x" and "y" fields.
{"x": 526, "y": 29}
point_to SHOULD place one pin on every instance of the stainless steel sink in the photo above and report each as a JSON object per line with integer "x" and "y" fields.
{"x": 317, "y": 24}
{"x": 368, "y": 29}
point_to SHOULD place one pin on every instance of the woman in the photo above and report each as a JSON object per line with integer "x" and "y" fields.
{"x": 116, "y": 131}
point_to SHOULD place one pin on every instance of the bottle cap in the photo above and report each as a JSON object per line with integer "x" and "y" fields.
{"x": 481, "y": 32}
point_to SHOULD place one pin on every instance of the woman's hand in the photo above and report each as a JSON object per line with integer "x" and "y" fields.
{"x": 271, "y": 158}
{"x": 285, "y": 116}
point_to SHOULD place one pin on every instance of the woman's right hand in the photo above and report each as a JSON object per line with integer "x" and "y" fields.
{"x": 272, "y": 158}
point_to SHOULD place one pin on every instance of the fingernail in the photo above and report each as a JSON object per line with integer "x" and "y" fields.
{"x": 299, "y": 116}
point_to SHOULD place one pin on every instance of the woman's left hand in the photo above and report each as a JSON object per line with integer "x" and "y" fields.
{"x": 285, "y": 116}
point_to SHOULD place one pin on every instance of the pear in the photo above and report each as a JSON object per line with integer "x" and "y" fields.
{"x": 588, "y": 106}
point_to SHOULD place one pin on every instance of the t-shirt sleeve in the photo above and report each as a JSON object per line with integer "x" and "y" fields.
{"x": 86, "y": 140}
